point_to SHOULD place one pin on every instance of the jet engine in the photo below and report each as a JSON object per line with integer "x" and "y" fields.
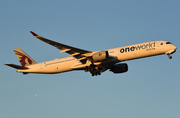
{"x": 119, "y": 68}
{"x": 100, "y": 56}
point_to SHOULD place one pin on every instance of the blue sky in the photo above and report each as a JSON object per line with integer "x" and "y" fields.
{"x": 149, "y": 89}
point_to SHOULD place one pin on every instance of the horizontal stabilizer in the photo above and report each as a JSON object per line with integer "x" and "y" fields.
{"x": 16, "y": 66}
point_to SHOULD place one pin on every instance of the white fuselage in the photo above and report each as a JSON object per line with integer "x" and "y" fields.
{"x": 122, "y": 54}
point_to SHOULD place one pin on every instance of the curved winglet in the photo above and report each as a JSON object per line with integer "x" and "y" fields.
{"x": 34, "y": 34}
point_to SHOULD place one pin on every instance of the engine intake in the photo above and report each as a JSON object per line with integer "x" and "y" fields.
{"x": 119, "y": 68}
{"x": 100, "y": 56}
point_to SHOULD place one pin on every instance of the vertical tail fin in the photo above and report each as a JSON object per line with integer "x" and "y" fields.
{"x": 23, "y": 58}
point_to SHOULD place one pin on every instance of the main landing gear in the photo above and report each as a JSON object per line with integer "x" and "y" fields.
{"x": 94, "y": 70}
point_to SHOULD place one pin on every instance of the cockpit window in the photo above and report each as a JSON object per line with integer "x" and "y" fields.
{"x": 168, "y": 43}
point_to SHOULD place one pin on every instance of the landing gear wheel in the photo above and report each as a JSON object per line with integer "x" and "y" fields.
{"x": 96, "y": 73}
{"x": 170, "y": 57}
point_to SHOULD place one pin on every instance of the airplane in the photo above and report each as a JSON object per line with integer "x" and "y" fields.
{"x": 92, "y": 62}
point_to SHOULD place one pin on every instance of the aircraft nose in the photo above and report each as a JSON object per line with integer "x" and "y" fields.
{"x": 174, "y": 47}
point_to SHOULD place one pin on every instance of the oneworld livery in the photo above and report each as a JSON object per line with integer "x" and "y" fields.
{"x": 92, "y": 62}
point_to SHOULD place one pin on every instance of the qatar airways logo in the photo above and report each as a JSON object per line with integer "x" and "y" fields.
{"x": 148, "y": 46}
{"x": 23, "y": 58}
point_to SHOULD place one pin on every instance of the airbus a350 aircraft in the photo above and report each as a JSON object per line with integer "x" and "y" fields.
{"x": 93, "y": 62}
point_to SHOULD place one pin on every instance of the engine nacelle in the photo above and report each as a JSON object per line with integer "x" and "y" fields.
{"x": 119, "y": 68}
{"x": 100, "y": 56}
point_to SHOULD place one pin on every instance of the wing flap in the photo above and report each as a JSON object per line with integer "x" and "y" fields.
{"x": 65, "y": 50}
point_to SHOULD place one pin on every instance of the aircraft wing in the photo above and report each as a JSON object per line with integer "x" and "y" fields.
{"x": 76, "y": 52}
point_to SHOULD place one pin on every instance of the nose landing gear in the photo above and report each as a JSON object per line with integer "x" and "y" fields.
{"x": 170, "y": 57}
{"x": 170, "y": 52}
